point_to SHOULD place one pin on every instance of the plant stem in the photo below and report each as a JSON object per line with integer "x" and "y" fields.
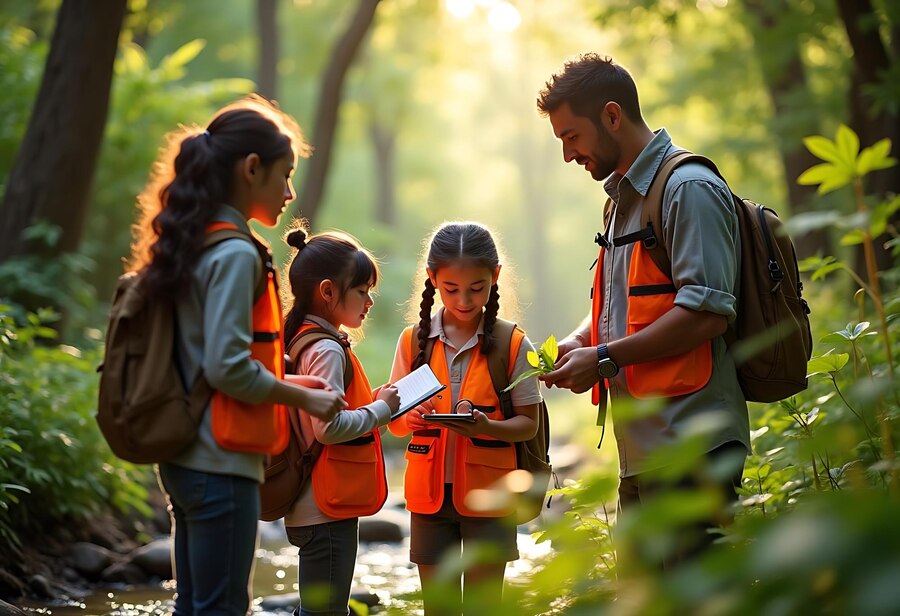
{"x": 816, "y": 474}
{"x": 872, "y": 272}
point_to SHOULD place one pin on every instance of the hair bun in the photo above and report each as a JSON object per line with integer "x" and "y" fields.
{"x": 297, "y": 239}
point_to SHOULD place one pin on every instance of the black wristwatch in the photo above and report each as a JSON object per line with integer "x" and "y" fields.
{"x": 606, "y": 367}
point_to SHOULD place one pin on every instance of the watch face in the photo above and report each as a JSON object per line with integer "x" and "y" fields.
{"x": 607, "y": 368}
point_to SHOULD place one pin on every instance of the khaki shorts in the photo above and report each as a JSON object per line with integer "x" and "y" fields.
{"x": 439, "y": 537}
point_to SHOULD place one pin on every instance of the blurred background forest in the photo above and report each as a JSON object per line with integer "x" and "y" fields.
{"x": 423, "y": 111}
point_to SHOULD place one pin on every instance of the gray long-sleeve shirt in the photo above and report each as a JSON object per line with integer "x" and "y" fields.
{"x": 325, "y": 358}
{"x": 703, "y": 241}
{"x": 215, "y": 329}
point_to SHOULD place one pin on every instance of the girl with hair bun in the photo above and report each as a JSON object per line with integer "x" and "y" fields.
{"x": 331, "y": 279}
{"x": 450, "y": 464}
{"x": 193, "y": 246}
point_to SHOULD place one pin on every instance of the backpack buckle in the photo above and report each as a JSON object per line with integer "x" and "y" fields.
{"x": 600, "y": 239}
{"x": 775, "y": 272}
{"x": 649, "y": 240}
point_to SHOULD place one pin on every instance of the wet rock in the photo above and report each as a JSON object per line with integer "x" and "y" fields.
{"x": 89, "y": 559}
{"x": 386, "y": 526}
{"x": 10, "y": 585}
{"x": 40, "y": 586}
{"x": 364, "y": 596}
{"x": 155, "y": 558}
{"x": 280, "y": 603}
{"x": 124, "y": 573}
{"x": 8, "y": 609}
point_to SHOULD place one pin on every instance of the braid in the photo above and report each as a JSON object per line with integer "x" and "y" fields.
{"x": 424, "y": 321}
{"x": 293, "y": 322}
{"x": 490, "y": 317}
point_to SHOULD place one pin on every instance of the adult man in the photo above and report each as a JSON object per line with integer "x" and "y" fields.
{"x": 648, "y": 336}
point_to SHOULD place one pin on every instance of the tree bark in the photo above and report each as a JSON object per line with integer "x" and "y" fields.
{"x": 783, "y": 76}
{"x": 267, "y": 13}
{"x": 870, "y": 60}
{"x": 52, "y": 175}
{"x": 384, "y": 141}
{"x": 328, "y": 106}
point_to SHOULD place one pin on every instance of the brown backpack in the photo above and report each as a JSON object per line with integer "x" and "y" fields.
{"x": 532, "y": 455}
{"x": 287, "y": 472}
{"x": 144, "y": 411}
{"x": 770, "y": 340}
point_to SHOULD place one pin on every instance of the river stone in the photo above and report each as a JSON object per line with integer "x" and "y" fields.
{"x": 40, "y": 586}
{"x": 365, "y": 596}
{"x": 8, "y": 609}
{"x": 124, "y": 573}
{"x": 280, "y": 603}
{"x": 386, "y": 526}
{"x": 155, "y": 558}
{"x": 89, "y": 559}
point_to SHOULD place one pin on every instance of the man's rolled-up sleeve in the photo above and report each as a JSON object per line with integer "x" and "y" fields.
{"x": 702, "y": 234}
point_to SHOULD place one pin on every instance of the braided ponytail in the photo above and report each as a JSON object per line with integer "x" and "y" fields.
{"x": 489, "y": 319}
{"x": 424, "y": 321}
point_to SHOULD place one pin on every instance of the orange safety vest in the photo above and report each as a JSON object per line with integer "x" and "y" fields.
{"x": 480, "y": 461}
{"x": 348, "y": 479}
{"x": 650, "y": 295}
{"x": 255, "y": 428}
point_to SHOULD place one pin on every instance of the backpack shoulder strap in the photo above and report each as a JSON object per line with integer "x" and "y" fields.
{"x": 500, "y": 362}
{"x": 309, "y": 336}
{"x": 218, "y": 232}
{"x": 651, "y": 211}
{"x": 607, "y": 215}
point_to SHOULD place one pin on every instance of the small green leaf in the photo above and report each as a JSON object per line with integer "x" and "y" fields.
{"x": 525, "y": 375}
{"x": 533, "y": 359}
{"x": 823, "y": 148}
{"x": 826, "y": 364}
{"x": 817, "y": 174}
{"x": 853, "y": 238}
{"x": 847, "y": 143}
{"x": 875, "y": 157}
{"x": 551, "y": 347}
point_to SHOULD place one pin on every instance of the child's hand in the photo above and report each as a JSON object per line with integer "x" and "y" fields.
{"x": 414, "y": 420}
{"x": 389, "y": 394}
{"x": 480, "y": 426}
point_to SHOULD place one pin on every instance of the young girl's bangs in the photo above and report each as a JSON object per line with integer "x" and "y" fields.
{"x": 365, "y": 270}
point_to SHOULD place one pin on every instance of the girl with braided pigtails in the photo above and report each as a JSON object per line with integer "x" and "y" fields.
{"x": 454, "y": 468}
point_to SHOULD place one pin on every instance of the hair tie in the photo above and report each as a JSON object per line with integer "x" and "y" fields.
{"x": 206, "y": 135}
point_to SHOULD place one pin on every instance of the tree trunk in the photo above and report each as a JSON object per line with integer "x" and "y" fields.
{"x": 266, "y": 13}
{"x": 384, "y": 140}
{"x": 328, "y": 106}
{"x": 871, "y": 59}
{"x": 783, "y": 76}
{"x": 52, "y": 175}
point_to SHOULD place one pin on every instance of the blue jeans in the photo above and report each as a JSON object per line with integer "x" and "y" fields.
{"x": 327, "y": 559}
{"x": 214, "y": 521}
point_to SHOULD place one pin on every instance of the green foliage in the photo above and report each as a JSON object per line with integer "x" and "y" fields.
{"x": 542, "y": 361}
{"x": 55, "y": 467}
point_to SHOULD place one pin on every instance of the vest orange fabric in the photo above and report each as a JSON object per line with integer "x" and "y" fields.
{"x": 650, "y": 295}
{"x": 348, "y": 479}
{"x": 479, "y": 461}
{"x": 255, "y": 428}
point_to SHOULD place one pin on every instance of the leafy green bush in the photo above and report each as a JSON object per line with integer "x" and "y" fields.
{"x": 55, "y": 466}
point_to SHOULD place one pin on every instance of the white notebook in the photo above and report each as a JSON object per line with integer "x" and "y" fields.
{"x": 416, "y": 387}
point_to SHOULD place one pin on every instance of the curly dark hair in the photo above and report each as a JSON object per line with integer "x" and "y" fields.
{"x": 451, "y": 243}
{"x": 190, "y": 180}
{"x": 587, "y": 84}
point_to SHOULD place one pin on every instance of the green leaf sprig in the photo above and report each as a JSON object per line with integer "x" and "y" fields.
{"x": 542, "y": 361}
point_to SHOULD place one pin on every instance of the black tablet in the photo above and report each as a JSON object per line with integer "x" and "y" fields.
{"x": 441, "y": 417}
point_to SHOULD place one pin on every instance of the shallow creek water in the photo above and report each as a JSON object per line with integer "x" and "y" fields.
{"x": 381, "y": 568}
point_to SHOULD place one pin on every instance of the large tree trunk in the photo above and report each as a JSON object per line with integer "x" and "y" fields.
{"x": 384, "y": 141}
{"x": 871, "y": 59}
{"x": 329, "y": 104}
{"x": 783, "y": 76}
{"x": 267, "y": 81}
{"x": 52, "y": 175}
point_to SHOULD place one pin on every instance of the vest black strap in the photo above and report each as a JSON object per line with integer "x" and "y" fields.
{"x": 645, "y": 235}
